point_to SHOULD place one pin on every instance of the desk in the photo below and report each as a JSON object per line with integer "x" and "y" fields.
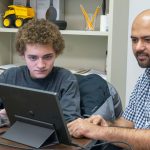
{"x": 81, "y": 142}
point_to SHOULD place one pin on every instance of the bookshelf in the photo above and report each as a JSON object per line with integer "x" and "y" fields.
{"x": 103, "y": 51}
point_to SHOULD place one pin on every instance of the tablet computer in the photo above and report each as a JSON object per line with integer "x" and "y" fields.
{"x": 36, "y": 117}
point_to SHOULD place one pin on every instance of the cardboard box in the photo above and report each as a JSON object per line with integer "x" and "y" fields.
{"x": 23, "y": 3}
{"x": 43, "y": 5}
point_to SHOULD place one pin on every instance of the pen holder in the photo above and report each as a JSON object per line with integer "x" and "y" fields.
{"x": 89, "y": 24}
{"x": 89, "y": 18}
{"x": 104, "y": 23}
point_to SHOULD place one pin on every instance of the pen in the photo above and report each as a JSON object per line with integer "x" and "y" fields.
{"x": 95, "y": 13}
{"x": 90, "y": 25}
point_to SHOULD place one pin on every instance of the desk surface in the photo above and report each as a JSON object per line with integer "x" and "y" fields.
{"x": 81, "y": 142}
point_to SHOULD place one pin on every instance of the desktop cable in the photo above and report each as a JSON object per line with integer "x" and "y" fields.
{"x": 113, "y": 142}
{"x": 76, "y": 145}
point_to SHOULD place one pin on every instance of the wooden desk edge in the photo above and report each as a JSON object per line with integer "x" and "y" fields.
{"x": 81, "y": 142}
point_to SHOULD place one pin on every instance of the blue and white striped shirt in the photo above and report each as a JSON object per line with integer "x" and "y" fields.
{"x": 138, "y": 109}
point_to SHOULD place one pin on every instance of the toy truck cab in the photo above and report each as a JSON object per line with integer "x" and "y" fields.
{"x": 17, "y": 15}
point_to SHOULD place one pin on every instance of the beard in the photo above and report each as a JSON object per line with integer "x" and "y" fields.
{"x": 143, "y": 59}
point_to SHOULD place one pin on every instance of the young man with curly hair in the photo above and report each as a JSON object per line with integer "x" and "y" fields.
{"x": 39, "y": 42}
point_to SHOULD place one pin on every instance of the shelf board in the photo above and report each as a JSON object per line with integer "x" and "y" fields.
{"x": 81, "y": 32}
{"x": 64, "y": 32}
{"x": 8, "y": 30}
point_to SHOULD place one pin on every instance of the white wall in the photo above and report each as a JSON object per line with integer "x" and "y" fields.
{"x": 133, "y": 70}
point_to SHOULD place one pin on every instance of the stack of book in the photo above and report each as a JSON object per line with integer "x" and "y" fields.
{"x": 5, "y": 67}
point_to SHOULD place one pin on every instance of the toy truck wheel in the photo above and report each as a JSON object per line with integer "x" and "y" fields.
{"x": 18, "y": 22}
{"x": 7, "y": 22}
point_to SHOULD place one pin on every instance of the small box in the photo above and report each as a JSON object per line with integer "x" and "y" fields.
{"x": 24, "y": 2}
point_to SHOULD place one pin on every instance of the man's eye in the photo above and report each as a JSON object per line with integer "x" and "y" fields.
{"x": 48, "y": 57}
{"x": 147, "y": 40}
{"x": 134, "y": 40}
{"x": 33, "y": 58}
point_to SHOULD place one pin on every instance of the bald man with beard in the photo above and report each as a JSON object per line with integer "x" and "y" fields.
{"x": 134, "y": 125}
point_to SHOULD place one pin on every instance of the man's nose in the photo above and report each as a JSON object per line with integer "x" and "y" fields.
{"x": 41, "y": 63}
{"x": 140, "y": 45}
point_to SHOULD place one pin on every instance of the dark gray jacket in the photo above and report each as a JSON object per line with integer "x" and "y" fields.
{"x": 60, "y": 80}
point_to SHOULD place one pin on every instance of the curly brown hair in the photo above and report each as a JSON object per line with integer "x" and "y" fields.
{"x": 39, "y": 31}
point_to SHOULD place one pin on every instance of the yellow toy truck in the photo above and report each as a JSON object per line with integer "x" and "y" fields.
{"x": 17, "y": 15}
